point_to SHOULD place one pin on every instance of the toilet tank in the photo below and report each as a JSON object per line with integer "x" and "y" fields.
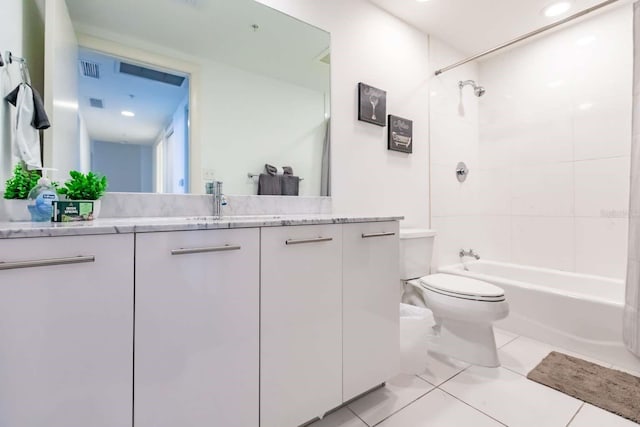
{"x": 416, "y": 250}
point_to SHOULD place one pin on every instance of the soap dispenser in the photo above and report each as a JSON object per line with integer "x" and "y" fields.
{"x": 42, "y": 195}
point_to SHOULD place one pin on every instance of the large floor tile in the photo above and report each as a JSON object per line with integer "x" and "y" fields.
{"x": 503, "y": 337}
{"x": 523, "y": 354}
{"x": 398, "y": 393}
{"x": 341, "y": 418}
{"x": 438, "y": 409}
{"x": 511, "y": 398}
{"x": 591, "y": 416}
{"x": 441, "y": 368}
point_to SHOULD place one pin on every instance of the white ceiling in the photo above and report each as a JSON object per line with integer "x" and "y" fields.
{"x": 152, "y": 102}
{"x": 217, "y": 30}
{"x": 473, "y": 26}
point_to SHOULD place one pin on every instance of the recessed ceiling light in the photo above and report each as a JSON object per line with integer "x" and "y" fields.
{"x": 128, "y": 113}
{"x": 422, "y": 1}
{"x": 556, "y": 9}
{"x": 556, "y": 83}
{"x": 585, "y": 106}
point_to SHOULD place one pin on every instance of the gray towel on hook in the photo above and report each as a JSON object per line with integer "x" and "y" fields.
{"x": 40, "y": 120}
{"x": 271, "y": 170}
{"x": 269, "y": 185}
{"x": 290, "y": 185}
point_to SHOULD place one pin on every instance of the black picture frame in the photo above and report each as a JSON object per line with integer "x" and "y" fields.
{"x": 372, "y": 105}
{"x": 400, "y": 134}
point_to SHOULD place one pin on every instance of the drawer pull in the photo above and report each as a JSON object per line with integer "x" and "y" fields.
{"x": 46, "y": 262}
{"x": 369, "y": 236}
{"x": 303, "y": 241}
{"x": 224, "y": 248}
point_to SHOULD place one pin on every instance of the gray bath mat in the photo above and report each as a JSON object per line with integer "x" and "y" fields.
{"x": 611, "y": 390}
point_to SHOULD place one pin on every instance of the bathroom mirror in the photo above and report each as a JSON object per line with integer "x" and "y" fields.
{"x": 240, "y": 84}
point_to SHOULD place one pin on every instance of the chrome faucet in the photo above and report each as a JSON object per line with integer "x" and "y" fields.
{"x": 215, "y": 189}
{"x": 469, "y": 253}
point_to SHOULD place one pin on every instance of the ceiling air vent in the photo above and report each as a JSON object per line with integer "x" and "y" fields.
{"x": 90, "y": 69}
{"x": 149, "y": 74}
{"x": 96, "y": 103}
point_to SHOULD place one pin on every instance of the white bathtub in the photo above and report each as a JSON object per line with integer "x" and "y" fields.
{"x": 574, "y": 311}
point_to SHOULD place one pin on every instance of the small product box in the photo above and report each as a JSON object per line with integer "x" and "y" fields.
{"x": 66, "y": 211}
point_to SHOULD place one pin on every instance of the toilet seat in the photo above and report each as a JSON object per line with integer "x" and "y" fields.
{"x": 462, "y": 287}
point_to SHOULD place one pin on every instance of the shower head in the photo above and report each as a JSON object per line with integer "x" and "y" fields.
{"x": 477, "y": 90}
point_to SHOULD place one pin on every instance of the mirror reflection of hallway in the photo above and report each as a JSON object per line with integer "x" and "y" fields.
{"x": 137, "y": 122}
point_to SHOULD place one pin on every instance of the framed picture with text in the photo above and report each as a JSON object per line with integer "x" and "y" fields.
{"x": 372, "y": 105}
{"x": 400, "y": 134}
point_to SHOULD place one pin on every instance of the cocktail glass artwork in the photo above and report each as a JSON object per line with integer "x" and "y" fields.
{"x": 373, "y": 99}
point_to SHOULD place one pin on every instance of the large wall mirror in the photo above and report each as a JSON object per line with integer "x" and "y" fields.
{"x": 174, "y": 93}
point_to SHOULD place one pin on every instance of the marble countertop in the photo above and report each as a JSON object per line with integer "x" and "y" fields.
{"x": 13, "y": 230}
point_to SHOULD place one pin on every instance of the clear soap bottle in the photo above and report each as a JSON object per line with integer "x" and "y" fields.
{"x": 42, "y": 195}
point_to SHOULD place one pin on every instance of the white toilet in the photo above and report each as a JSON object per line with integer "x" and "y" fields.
{"x": 464, "y": 308}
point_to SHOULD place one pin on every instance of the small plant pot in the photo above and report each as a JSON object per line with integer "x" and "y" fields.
{"x": 97, "y": 204}
{"x": 15, "y": 210}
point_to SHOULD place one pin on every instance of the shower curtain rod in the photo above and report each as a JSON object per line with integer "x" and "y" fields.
{"x": 528, "y": 35}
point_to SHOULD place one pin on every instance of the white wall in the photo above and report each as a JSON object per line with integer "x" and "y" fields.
{"x": 62, "y": 142}
{"x": 84, "y": 144}
{"x": 176, "y": 150}
{"x": 368, "y": 45}
{"x": 127, "y": 166}
{"x": 551, "y": 180}
{"x": 22, "y": 33}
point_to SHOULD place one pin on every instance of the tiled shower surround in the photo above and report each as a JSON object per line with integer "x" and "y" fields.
{"x": 548, "y": 147}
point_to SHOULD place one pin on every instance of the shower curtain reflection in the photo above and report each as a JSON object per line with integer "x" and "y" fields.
{"x": 632, "y": 299}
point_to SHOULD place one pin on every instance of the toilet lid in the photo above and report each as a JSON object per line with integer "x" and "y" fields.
{"x": 462, "y": 287}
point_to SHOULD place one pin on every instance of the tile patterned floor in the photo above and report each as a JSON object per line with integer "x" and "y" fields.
{"x": 449, "y": 393}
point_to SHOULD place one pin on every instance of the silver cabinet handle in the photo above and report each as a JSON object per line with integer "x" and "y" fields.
{"x": 303, "y": 241}
{"x": 46, "y": 262}
{"x": 205, "y": 250}
{"x": 369, "y": 236}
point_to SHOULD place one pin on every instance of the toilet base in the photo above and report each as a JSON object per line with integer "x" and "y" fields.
{"x": 470, "y": 342}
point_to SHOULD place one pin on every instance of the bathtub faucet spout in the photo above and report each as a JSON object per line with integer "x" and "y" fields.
{"x": 469, "y": 253}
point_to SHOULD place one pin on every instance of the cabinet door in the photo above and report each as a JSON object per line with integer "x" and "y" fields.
{"x": 197, "y": 332}
{"x": 66, "y": 331}
{"x": 300, "y": 323}
{"x": 371, "y": 284}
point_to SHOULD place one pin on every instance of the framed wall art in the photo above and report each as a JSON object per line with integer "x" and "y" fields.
{"x": 400, "y": 134}
{"x": 372, "y": 105}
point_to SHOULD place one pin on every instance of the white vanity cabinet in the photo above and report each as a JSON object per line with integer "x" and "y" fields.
{"x": 301, "y": 323}
{"x": 371, "y": 296}
{"x": 66, "y": 331}
{"x": 197, "y": 331}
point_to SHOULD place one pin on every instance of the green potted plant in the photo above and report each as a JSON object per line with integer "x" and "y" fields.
{"x": 17, "y": 188}
{"x": 85, "y": 187}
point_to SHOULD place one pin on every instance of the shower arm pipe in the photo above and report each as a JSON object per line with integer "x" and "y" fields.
{"x": 527, "y": 36}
